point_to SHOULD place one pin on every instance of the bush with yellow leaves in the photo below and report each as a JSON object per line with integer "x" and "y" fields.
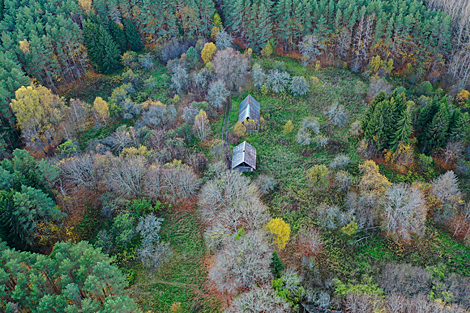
{"x": 239, "y": 129}
{"x": 288, "y": 128}
{"x": 208, "y": 51}
{"x": 462, "y": 97}
{"x": 372, "y": 180}
{"x": 279, "y": 230}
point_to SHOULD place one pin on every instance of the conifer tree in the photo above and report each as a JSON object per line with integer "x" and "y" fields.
{"x": 438, "y": 130}
{"x": 283, "y": 17}
{"x": 234, "y": 16}
{"x": 193, "y": 57}
{"x": 277, "y": 265}
{"x": 460, "y": 128}
{"x": 404, "y": 130}
{"x": 133, "y": 37}
{"x": 118, "y": 35}
{"x": 425, "y": 117}
{"x": 260, "y": 27}
{"x": 110, "y": 53}
{"x": 73, "y": 278}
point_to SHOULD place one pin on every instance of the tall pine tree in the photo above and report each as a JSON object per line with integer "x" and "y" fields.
{"x": 437, "y": 131}
{"x": 118, "y": 35}
{"x": 110, "y": 57}
{"x": 133, "y": 37}
{"x": 404, "y": 130}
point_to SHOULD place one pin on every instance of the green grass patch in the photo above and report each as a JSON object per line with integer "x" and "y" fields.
{"x": 183, "y": 278}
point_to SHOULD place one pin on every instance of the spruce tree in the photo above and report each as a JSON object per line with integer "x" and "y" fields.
{"x": 381, "y": 96}
{"x": 118, "y": 35}
{"x": 377, "y": 128}
{"x": 438, "y": 131}
{"x": 277, "y": 265}
{"x": 133, "y": 37}
{"x": 193, "y": 57}
{"x": 110, "y": 53}
{"x": 234, "y": 15}
{"x": 262, "y": 28}
{"x": 460, "y": 126}
{"x": 404, "y": 130}
{"x": 283, "y": 16}
{"x": 425, "y": 117}
{"x": 91, "y": 36}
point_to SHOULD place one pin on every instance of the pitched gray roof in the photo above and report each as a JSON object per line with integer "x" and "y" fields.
{"x": 249, "y": 108}
{"x": 244, "y": 153}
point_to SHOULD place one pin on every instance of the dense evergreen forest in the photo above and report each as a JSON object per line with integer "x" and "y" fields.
{"x": 118, "y": 121}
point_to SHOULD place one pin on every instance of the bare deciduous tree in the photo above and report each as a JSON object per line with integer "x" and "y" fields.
{"x": 340, "y": 162}
{"x": 299, "y": 86}
{"x": 265, "y": 184}
{"x": 153, "y": 182}
{"x": 157, "y": 114}
{"x": 310, "y": 48}
{"x": 152, "y": 252}
{"x": 327, "y": 216}
{"x": 154, "y": 255}
{"x": 258, "y": 75}
{"x": 178, "y": 182}
{"x": 260, "y": 299}
{"x": 127, "y": 176}
{"x": 189, "y": 114}
{"x": 242, "y": 263}
{"x": 77, "y": 116}
{"x": 124, "y": 138}
{"x": 231, "y": 66}
{"x": 337, "y": 115}
{"x": 180, "y": 79}
{"x": 224, "y": 40}
{"x": 404, "y": 212}
{"x": 217, "y": 94}
{"x": 360, "y": 303}
{"x": 343, "y": 180}
{"x": 344, "y": 43}
{"x": 80, "y": 171}
{"x": 229, "y": 189}
{"x": 446, "y": 189}
{"x": 277, "y": 81}
{"x": 404, "y": 279}
{"x": 453, "y": 151}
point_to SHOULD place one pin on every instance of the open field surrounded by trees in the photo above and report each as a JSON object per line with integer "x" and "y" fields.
{"x": 234, "y": 156}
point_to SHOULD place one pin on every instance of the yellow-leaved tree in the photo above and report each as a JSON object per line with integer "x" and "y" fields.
{"x": 208, "y": 51}
{"x": 25, "y": 46}
{"x": 201, "y": 125}
{"x": 101, "y": 110}
{"x": 462, "y": 97}
{"x": 239, "y": 129}
{"x": 279, "y": 230}
{"x": 39, "y": 113}
{"x": 85, "y": 5}
{"x": 317, "y": 175}
{"x": 218, "y": 21}
{"x": 372, "y": 181}
{"x": 288, "y": 127}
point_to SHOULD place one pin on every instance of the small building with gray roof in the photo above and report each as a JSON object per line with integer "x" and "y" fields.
{"x": 249, "y": 110}
{"x": 244, "y": 157}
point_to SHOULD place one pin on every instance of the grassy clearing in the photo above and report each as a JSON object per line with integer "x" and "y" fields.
{"x": 183, "y": 279}
{"x": 280, "y": 156}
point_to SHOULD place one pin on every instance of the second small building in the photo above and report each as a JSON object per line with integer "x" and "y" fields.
{"x": 244, "y": 157}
